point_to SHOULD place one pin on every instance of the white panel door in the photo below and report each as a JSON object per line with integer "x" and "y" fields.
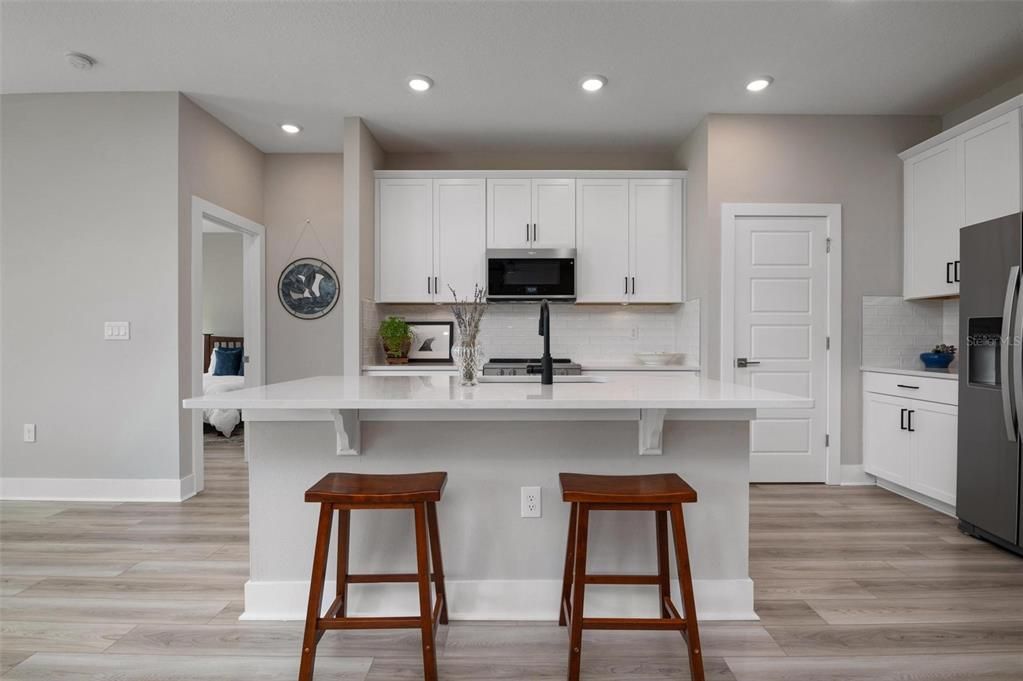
{"x": 655, "y": 248}
{"x": 509, "y": 213}
{"x": 932, "y": 451}
{"x": 886, "y": 438}
{"x": 553, "y": 213}
{"x": 781, "y": 316}
{"x": 990, "y": 158}
{"x": 933, "y": 217}
{"x": 460, "y": 230}
{"x": 404, "y": 241}
{"x": 602, "y": 241}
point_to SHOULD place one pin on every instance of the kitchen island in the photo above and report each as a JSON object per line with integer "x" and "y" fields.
{"x": 492, "y": 440}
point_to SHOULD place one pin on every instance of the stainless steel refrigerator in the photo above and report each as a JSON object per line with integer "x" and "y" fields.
{"x": 989, "y": 487}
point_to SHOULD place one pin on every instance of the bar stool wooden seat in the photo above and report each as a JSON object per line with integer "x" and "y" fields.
{"x": 347, "y": 492}
{"x": 663, "y": 494}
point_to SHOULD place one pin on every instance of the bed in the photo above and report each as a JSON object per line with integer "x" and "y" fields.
{"x": 223, "y": 420}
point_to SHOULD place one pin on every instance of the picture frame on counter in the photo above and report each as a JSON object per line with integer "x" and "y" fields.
{"x": 431, "y": 342}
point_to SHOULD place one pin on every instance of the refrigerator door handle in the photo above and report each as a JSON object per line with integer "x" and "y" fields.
{"x": 1011, "y": 294}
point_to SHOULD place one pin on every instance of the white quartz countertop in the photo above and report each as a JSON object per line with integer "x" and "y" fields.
{"x": 598, "y": 365}
{"x": 942, "y": 374}
{"x": 627, "y": 391}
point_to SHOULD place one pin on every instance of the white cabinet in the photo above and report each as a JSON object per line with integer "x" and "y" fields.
{"x": 629, "y": 240}
{"x": 910, "y": 442}
{"x": 933, "y": 216}
{"x": 430, "y": 235}
{"x": 969, "y": 174}
{"x": 990, "y": 158}
{"x": 530, "y": 213}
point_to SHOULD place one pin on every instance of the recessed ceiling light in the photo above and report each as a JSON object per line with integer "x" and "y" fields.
{"x": 82, "y": 62}
{"x": 758, "y": 84}
{"x": 291, "y": 128}
{"x": 593, "y": 83}
{"x": 420, "y": 83}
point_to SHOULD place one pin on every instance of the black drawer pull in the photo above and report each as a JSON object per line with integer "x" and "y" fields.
{"x": 911, "y": 387}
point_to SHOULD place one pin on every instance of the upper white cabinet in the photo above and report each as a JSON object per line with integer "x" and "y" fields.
{"x": 530, "y": 213}
{"x": 966, "y": 175}
{"x": 430, "y": 235}
{"x": 629, "y": 240}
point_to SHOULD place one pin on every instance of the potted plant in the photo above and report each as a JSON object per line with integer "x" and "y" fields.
{"x": 396, "y": 339}
{"x": 940, "y": 357}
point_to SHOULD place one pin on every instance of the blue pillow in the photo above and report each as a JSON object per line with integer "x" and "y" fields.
{"x": 228, "y": 362}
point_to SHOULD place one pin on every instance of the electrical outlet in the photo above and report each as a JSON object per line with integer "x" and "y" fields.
{"x": 30, "y": 432}
{"x": 635, "y": 333}
{"x": 530, "y": 502}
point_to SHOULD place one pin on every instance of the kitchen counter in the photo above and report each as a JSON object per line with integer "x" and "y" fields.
{"x": 598, "y": 365}
{"x": 494, "y": 439}
{"x": 943, "y": 374}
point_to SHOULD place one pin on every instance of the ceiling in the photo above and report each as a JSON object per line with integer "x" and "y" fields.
{"x": 507, "y": 73}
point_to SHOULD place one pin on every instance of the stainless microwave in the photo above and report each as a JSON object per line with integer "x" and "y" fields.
{"x": 530, "y": 274}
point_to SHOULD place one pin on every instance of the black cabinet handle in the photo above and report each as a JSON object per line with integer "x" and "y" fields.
{"x": 428, "y": 285}
{"x": 902, "y": 419}
{"x": 527, "y": 232}
{"x": 955, "y": 270}
{"x": 909, "y": 420}
{"x": 534, "y": 231}
{"x": 911, "y": 387}
{"x": 626, "y": 286}
{"x": 436, "y": 289}
{"x": 634, "y": 286}
{"x": 948, "y": 273}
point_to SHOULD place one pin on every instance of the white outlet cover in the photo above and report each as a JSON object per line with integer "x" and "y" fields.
{"x": 531, "y": 502}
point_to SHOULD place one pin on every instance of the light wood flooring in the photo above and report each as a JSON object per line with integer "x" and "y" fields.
{"x": 852, "y": 584}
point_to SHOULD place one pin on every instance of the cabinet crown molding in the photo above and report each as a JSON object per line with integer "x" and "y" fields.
{"x": 967, "y": 125}
{"x": 533, "y": 174}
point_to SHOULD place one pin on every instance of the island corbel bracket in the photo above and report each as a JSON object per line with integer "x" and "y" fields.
{"x": 346, "y": 423}
{"x": 651, "y": 429}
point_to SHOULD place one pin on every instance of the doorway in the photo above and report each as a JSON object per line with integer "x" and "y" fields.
{"x": 250, "y": 237}
{"x": 781, "y": 330}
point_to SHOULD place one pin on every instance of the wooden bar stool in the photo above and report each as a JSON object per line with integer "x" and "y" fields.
{"x": 662, "y": 494}
{"x": 344, "y": 493}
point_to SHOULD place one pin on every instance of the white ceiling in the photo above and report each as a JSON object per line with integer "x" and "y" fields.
{"x": 507, "y": 72}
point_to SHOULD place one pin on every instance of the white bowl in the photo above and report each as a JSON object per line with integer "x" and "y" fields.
{"x": 658, "y": 359}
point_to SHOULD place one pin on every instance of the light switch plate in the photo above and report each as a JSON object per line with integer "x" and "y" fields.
{"x": 30, "y": 432}
{"x": 120, "y": 331}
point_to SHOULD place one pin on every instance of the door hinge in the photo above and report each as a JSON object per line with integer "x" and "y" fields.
{"x": 827, "y": 342}
{"x": 827, "y": 440}
{"x": 827, "y": 245}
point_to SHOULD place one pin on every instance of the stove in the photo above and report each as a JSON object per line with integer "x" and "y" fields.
{"x": 517, "y": 366}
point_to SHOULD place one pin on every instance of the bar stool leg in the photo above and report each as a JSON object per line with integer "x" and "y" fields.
{"x": 312, "y": 634}
{"x": 425, "y": 604}
{"x": 438, "y": 563}
{"x": 344, "y": 533}
{"x": 685, "y": 581}
{"x": 663, "y": 574}
{"x": 566, "y": 580}
{"x": 578, "y": 592}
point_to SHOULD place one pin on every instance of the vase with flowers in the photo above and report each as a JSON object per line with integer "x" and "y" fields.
{"x": 467, "y": 352}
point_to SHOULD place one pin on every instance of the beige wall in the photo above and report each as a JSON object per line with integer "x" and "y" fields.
{"x": 692, "y": 157}
{"x": 850, "y": 160}
{"x": 533, "y": 160}
{"x": 296, "y": 188}
{"x": 222, "y": 285}
{"x": 993, "y": 97}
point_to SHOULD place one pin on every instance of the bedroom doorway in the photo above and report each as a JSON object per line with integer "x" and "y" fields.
{"x": 227, "y": 348}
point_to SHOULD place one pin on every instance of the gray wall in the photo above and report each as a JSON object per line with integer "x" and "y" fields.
{"x": 296, "y": 188}
{"x": 851, "y": 160}
{"x": 90, "y": 234}
{"x": 993, "y": 97}
{"x": 628, "y": 159}
{"x": 222, "y": 311}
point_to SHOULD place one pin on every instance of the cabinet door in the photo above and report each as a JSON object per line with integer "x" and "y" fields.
{"x": 460, "y": 228}
{"x": 553, "y": 213}
{"x": 990, "y": 158}
{"x": 509, "y": 213}
{"x": 602, "y": 241}
{"x": 885, "y": 441}
{"x": 933, "y": 217}
{"x": 404, "y": 246}
{"x": 655, "y": 247}
{"x": 932, "y": 464}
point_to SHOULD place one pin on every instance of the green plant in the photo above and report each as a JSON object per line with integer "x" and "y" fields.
{"x": 396, "y": 335}
{"x": 943, "y": 349}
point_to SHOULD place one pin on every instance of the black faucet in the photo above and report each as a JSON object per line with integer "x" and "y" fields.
{"x": 546, "y": 363}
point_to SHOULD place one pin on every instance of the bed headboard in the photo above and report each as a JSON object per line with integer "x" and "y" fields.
{"x": 209, "y": 341}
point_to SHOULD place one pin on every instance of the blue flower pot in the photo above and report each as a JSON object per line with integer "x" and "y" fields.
{"x": 936, "y": 360}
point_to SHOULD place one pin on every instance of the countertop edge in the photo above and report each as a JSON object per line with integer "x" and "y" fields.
{"x": 919, "y": 373}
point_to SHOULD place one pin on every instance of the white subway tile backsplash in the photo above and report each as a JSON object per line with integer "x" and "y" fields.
{"x": 896, "y": 331}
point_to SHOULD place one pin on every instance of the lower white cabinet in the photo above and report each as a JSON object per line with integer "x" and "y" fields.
{"x": 911, "y": 442}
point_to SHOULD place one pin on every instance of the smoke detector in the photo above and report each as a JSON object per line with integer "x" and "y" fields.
{"x": 82, "y": 62}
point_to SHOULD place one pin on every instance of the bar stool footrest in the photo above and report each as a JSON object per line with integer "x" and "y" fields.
{"x": 635, "y": 623}
{"x": 369, "y": 623}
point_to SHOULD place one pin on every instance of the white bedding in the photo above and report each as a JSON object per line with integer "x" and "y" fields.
{"x": 224, "y": 420}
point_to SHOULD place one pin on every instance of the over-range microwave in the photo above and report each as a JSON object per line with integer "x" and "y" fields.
{"x": 530, "y": 274}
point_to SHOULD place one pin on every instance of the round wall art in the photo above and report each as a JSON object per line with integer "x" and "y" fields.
{"x": 308, "y": 288}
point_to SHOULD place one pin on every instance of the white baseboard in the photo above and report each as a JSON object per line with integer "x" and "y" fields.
{"x": 96, "y": 489}
{"x": 934, "y": 504}
{"x": 510, "y": 600}
{"x": 853, "y": 474}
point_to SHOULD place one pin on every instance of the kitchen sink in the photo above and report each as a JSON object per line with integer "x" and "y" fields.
{"x": 535, "y": 378}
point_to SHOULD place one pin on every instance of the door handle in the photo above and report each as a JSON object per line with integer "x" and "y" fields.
{"x": 742, "y": 362}
{"x": 948, "y": 273}
{"x": 1011, "y": 292}
{"x": 902, "y": 419}
{"x": 909, "y": 420}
